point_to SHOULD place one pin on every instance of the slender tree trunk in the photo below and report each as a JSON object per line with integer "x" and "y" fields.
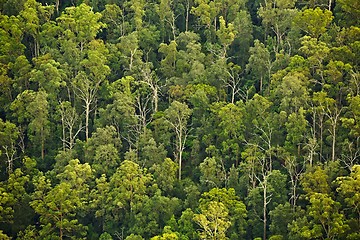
{"x": 321, "y": 137}
{"x": 232, "y": 95}
{"x": 10, "y": 153}
{"x": 156, "y": 99}
{"x": 180, "y": 150}
{"x": 71, "y": 139}
{"x": 333, "y": 142}
{"x": 36, "y": 47}
{"x": 61, "y": 227}
{"x": 264, "y": 209}
{"x": 57, "y": 4}
{"x": 42, "y": 144}
{"x": 173, "y": 27}
{"x": 63, "y": 132}
{"x": 180, "y": 162}
{"x": 187, "y": 15}
{"x": 87, "y": 115}
{"x": 294, "y": 194}
{"x": 314, "y": 138}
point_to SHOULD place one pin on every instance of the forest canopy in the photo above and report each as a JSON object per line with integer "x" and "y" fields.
{"x": 179, "y": 119}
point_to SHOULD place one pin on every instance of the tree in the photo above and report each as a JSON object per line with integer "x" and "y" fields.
{"x": 130, "y": 54}
{"x": 71, "y": 124}
{"x": 165, "y": 174}
{"x": 39, "y": 126}
{"x": 126, "y": 194}
{"x": 349, "y": 189}
{"x": 271, "y": 188}
{"x": 59, "y": 205}
{"x": 11, "y": 37}
{"x": 278, "y": 15}
{"x": 231, "y": 127}
{"x": 332, "y": 111}
{"x": 33, "y": 15}
{"x": 87, "y": 82}
{"x": 49, "y": 76}
{"x": 293, "y": 92}
{"x": 351, "y": 10}
{"x": 313, "y": 21}
{"x": 113, "y": 17}
{"x": 281, "y": 217}
{"x": 168, "y": 234}
{"x": 12, "y": 192}
{"x": 322, "y": 219}
{"x": 81, "y": 23}
{"x": 153, "y": 214}
{"x": 137, "y": 6}
{"x": 213, "y": 174}
{"x": 186, "y": 224}
{"x": 168, "y": 63}
{"x": 226, "y": 35}
{"x": 353, "y": 120}
{"x": 259, "y": 65}
{"x": 233, "y": 82}
{"x": 9, "y": 135}
{"x": 102, "y": 151}
{"x": 177, "y": 115}
{"x": 150, "y": 79}
{"x": 32, "y": 108}
{"x": 206, "y": 11}
{"x": 213, "y": 220}
{"x": 85, "y": 57}
{"x": 168, "y": 16}
{"x": 237, "y": 212}
{"x": 120, "y": 112}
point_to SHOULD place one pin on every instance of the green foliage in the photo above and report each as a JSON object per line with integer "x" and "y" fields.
{"x": 191, "y": 119}
{"x": 213, "y": 221}
{"x": 59, "y": 205}
{"x": 165, "y": 174}
{"x": 313, "y": 21}
{"x": 231, "y": 207}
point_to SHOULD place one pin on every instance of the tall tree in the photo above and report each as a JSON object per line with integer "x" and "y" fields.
{"x": 177, "y": 115}
{"x": 59, "y": 205}
{"x": 260, "y": 64}
{"x": 9, "y": 135}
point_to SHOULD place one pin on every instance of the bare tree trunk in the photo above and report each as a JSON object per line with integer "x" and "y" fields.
{"x": 314, "y": 137}
{"x": 36, "y": 47}
{"x": 156, "y": 99}
{"x": 180, "y": 162}
{"x": 264, "y": 209}
{"x": 42, "y": 149}
{"x": 321, "y": 137}
{"x": 61, "y": 227}
{"x": 71, "y": 141}
{"x": 57, "y": 4}
{"x": 63, "y": 131}
{"x": 187, "y": 15}
{"x": 87, "y": 115}
{"x": 10, "y": 155}
{"x": 180, "y": 148}
{"x": 333, "y": 116}
{"x": 333, "y": 143}
{"x": 42, "y": 144}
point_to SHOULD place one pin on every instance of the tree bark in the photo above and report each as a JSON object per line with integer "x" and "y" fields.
{"x": 87, "y": 115}
{"x": 264, "y": 208}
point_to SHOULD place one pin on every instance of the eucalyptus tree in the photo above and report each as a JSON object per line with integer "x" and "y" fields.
{"x": 177, "y": 116}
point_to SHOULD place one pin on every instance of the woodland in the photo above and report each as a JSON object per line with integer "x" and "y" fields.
{"x": 179, "y": 119}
